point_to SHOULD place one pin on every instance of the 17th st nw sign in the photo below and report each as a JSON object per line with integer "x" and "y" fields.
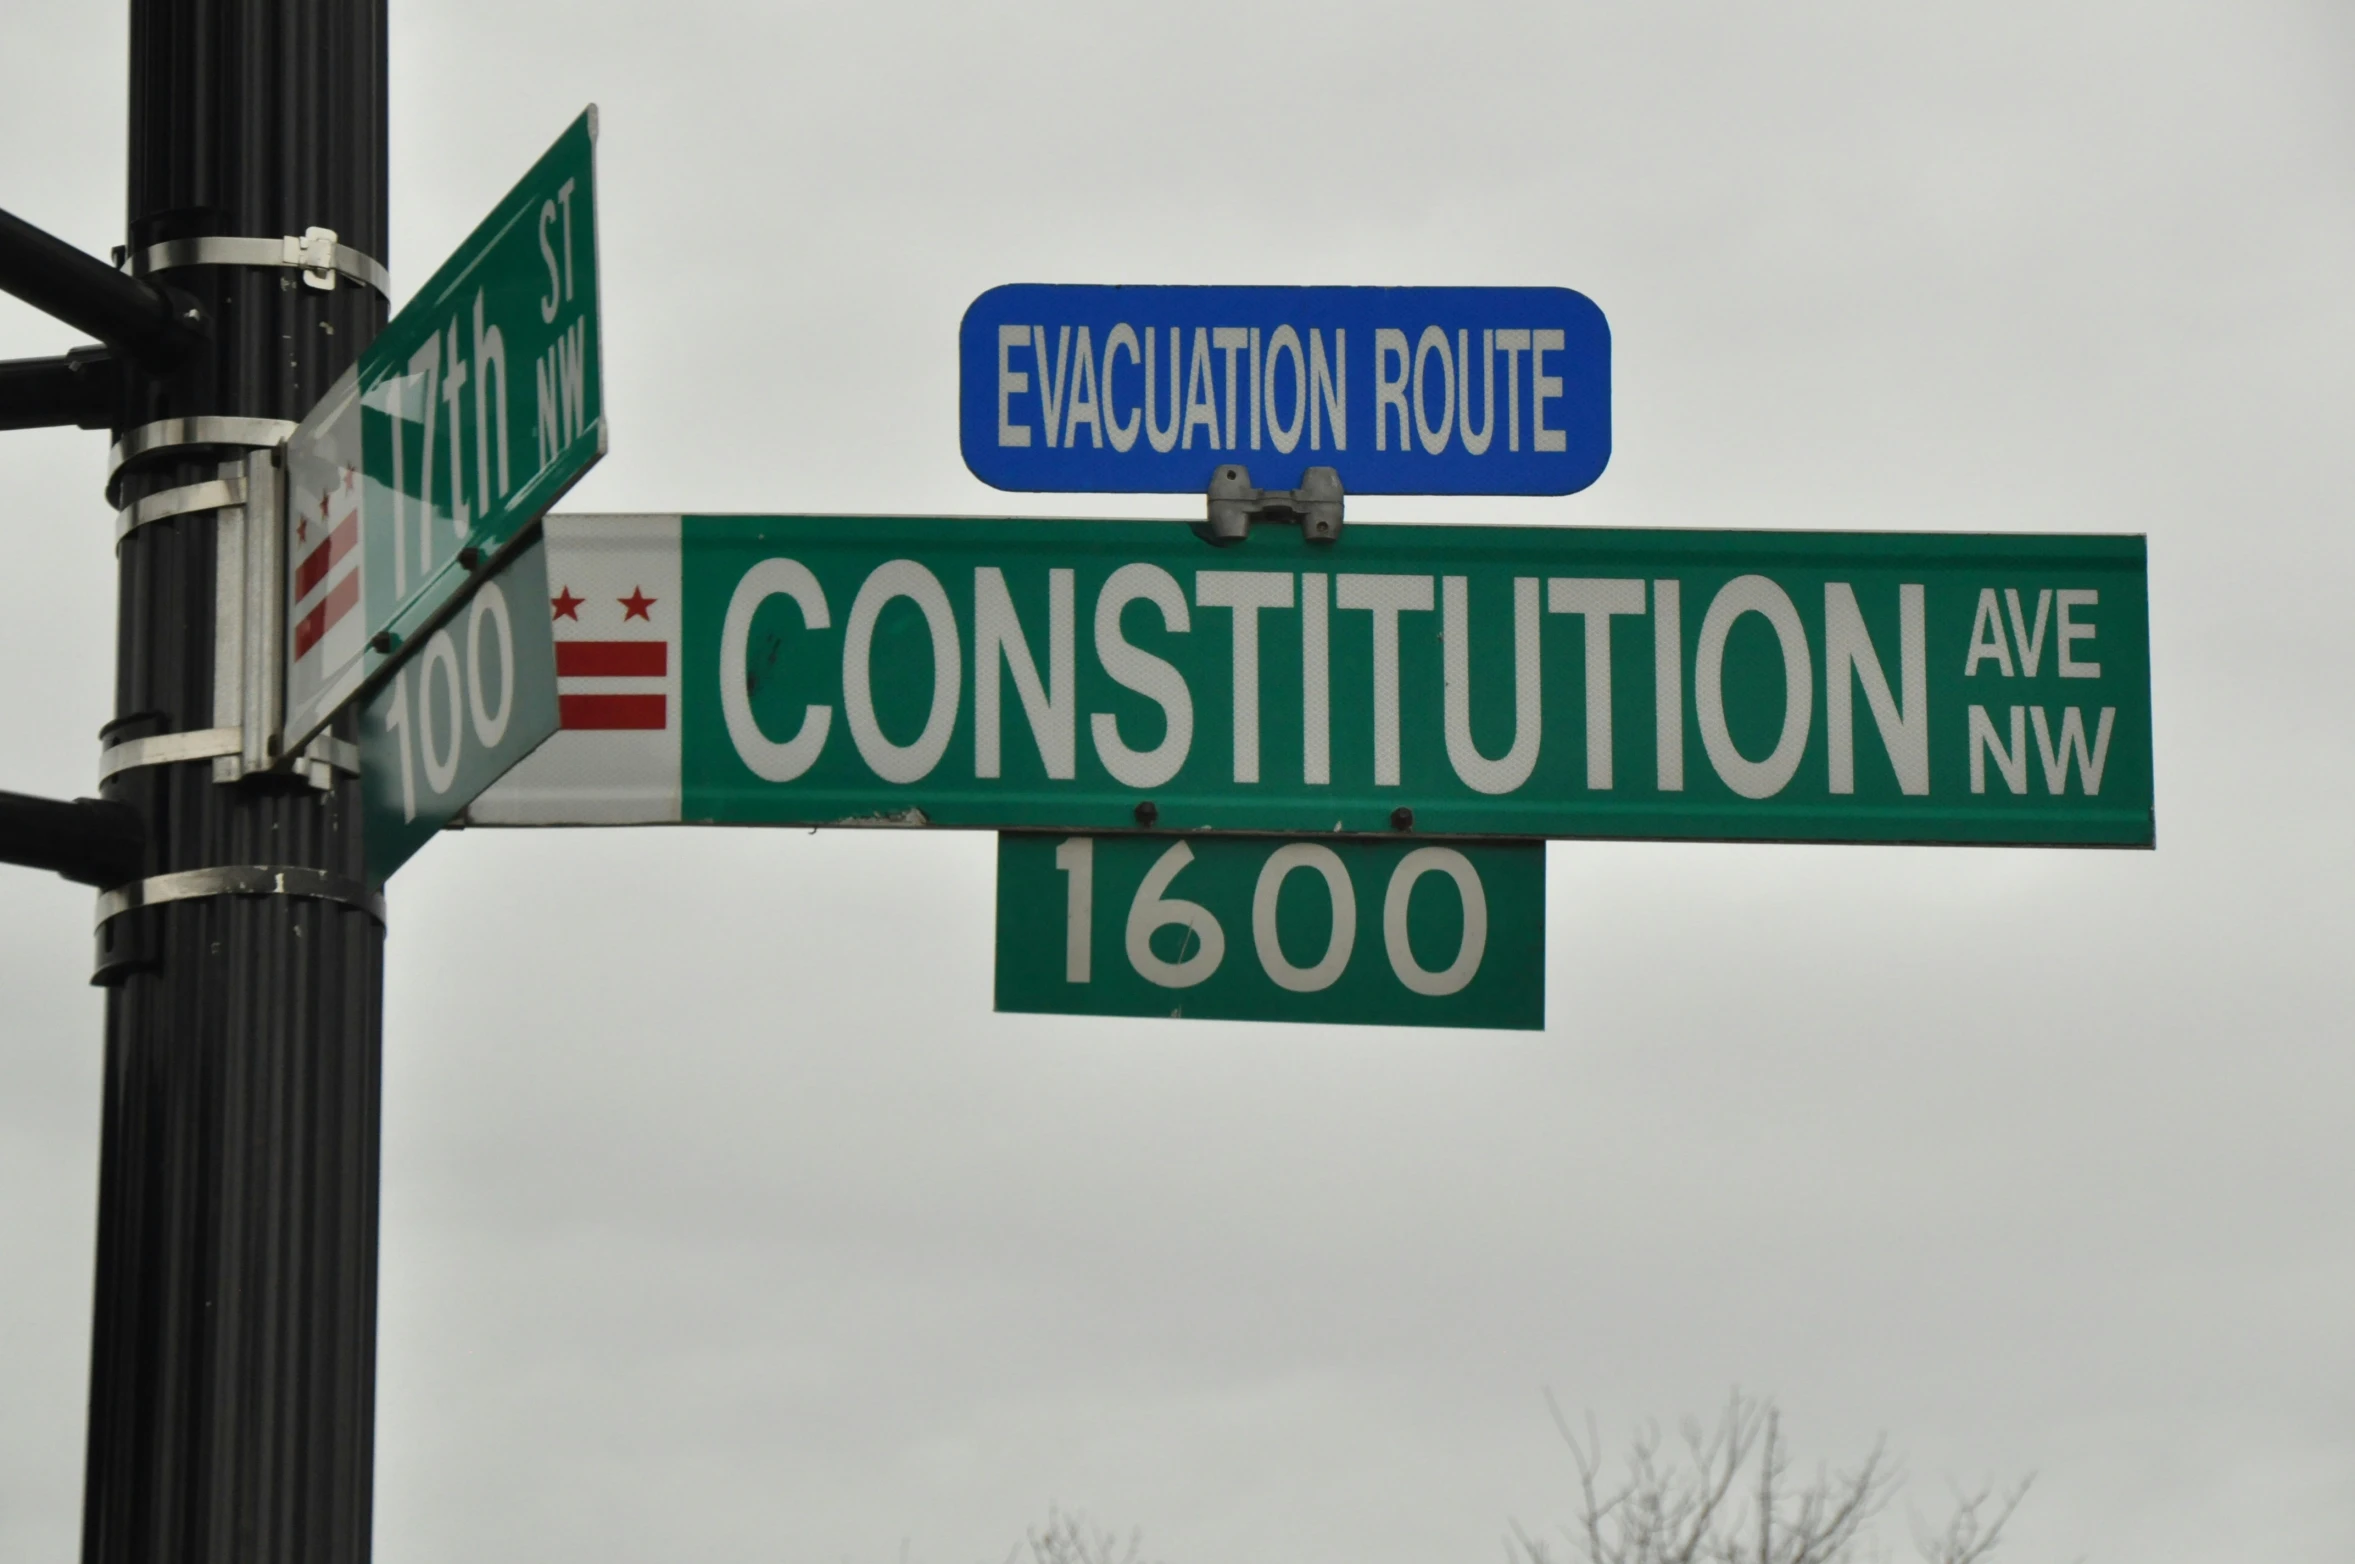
{"x": 1492, "y": 681}
{"x": 469, "y": 415}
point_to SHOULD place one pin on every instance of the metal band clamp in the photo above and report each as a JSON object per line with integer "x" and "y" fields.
{"x": 213, "y": 494}
{"x": 239, "y": 880}
{"x": 319, "y": 255}
{"x": 167, "y": 749}
{"x": 319, "y": 761}
{"x": 209, "y": 429}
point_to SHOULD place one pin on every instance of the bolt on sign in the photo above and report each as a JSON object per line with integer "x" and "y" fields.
{"x": 1393, "y": 932}
{"x": 1492, "y": 680}
{"x": 1402, "y": 390}
{"x": 480, "y": 403}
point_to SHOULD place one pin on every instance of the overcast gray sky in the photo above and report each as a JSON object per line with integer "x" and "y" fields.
{"x": 724, "y": 1221}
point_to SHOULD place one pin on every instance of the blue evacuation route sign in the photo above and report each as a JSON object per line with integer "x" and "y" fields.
{"x": 1147, "y": 390}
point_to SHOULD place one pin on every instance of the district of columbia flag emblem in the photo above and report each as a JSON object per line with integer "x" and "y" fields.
{"x": 614, "y": 605}
{"x": 327, "y": 568}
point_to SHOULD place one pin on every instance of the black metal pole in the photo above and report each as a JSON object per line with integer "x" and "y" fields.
{"x": 232, "y": 1387}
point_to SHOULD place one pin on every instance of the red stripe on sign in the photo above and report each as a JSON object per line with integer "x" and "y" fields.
{"x": 321, "y": 560}
{"x": 610, "y": 712}
{"x": 612, "y": 659}
{"x": 337, "y": 603}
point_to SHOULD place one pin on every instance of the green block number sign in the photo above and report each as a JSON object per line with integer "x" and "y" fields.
{"x": 1394, "y": 932}
{"x": 456, "y": 717}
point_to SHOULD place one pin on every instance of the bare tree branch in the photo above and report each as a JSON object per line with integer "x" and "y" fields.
{"x": 1682, "y": 1508}
{"x": 1975, "y": 1527}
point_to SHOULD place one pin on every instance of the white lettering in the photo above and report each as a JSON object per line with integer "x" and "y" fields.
{"x": 1254, "y": 378}
{"x": 2071, "y": 631}
{"x": 1905, "y": 729}
{"x": 1667, "y": 682}
{"x": 1083, "y": 403}
{"x": 1461, "y": 971}
{"x": 1596, "y": 601}
{"x": 1476, "y": 444}
{"x": 564, "y": 199}
{"x": 555, "y": 299}
{"x": 912, "y": 762}
{"x": 1753, "y": 595}
{"x": 1246, "y": 592}
{"x": 1390, "y": 344}
{"x": 1012, "y": 382}
{"x": 1151, "y": 910}
{"x": 2031, "y": 644}
{"x": 1162, "y": 439}
{"x": 1987, "y": 644}
{"x": 1230, "y": 340}
{"x": 1543, "y": 388}
{"x": 490, "y": 723}
{"x": 2056, "y": 760}
{"x": 1269, "y": 891}
{"x": 1385, "y": 598}
{"x": 1434, "y": 440}
{"x": 2011, "y": 763}
{"x": 490, "y": 356}
{"x": 453, "y": 387}
{"x": 1201, "y": 395}
{"x": 424, "y": 374}
{"x": 1076, "y": 857}
{"x": 1286, "y": 435}
{"x": 1512, "y": 343}
{"x": 1122, "y": 435}
{"x": 1052, "y": 383}
{"x": 1316, "y": 683}
{"x": 1146, "y": 674}
{"x": 765, "y": 758}
{"x": 1051, "y": 706}
{"x": 1325, "y": 398}
{"x": 1481, "y": 774}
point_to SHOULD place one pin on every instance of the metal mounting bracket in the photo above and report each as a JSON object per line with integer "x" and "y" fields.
{"x": 1315, "y": 507}
{"x": 248, "y": 618}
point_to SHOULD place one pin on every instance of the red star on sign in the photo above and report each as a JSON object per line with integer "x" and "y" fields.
{"x": 347, "y": 477}
{"x": 566, "y": 605}
{"x": 635, "y": 605}
{"x": 326, "y": 502}
{"x": 302, "y": 529}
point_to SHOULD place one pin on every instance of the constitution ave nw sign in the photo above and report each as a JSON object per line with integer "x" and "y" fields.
{"x": 1402, "y": 390}
{"x": 1459, "y": 681}
{"x": 478, "y": 406}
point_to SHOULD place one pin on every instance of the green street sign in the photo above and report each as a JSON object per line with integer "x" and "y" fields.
{"x": 480, "y": 403}
{"x": 1488, "y": 681}
{"x": 451, "y": 720}
{"x": 1386, "y": 932}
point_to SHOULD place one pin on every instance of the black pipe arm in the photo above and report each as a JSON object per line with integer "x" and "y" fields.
{"x": 155, "y": 324}
{"x": 82, "y": 389}
{"x": 92, "y": 841}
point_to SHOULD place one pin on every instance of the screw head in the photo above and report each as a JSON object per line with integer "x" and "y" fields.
{"x": 1147, "y": 812}
{"x": 1402, "y": 819}
{"x": 383, "y": 642}
{"x": 468, "y": 558}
